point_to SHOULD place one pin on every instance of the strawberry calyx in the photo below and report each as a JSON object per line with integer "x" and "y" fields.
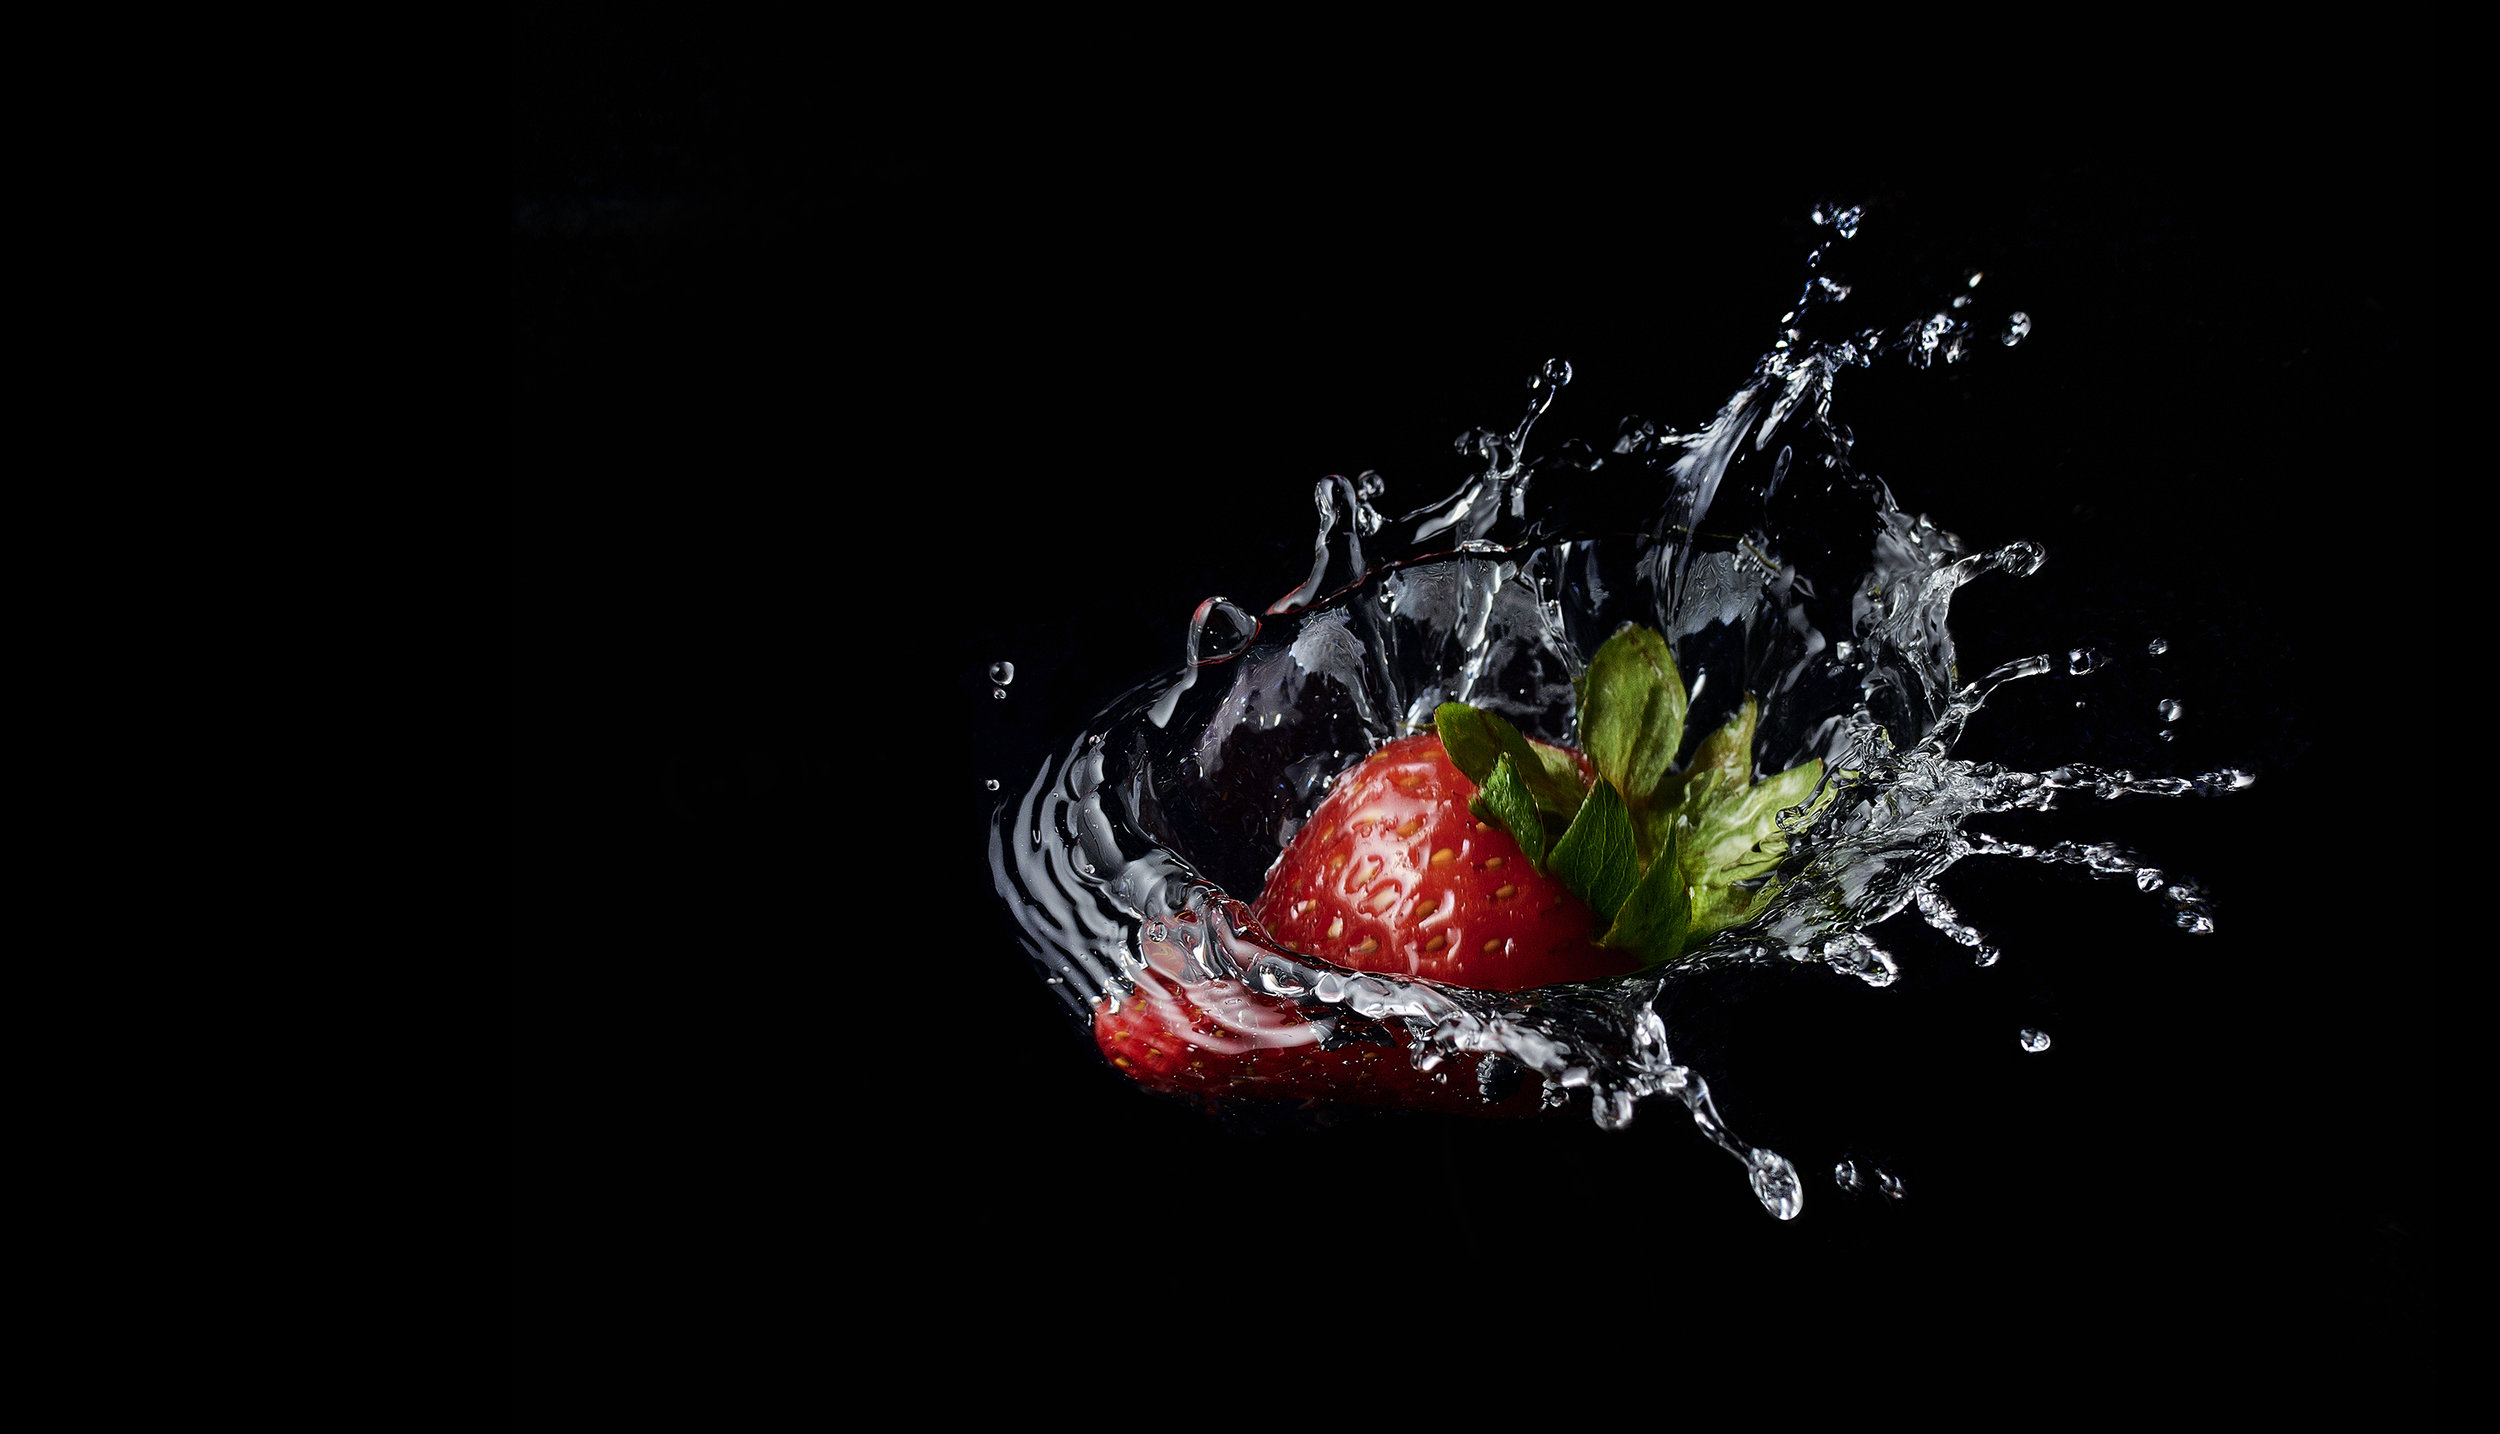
{"x": 1665, "y": 856}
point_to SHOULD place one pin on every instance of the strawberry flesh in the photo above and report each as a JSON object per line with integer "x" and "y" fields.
{"x": 1393, "y": 874}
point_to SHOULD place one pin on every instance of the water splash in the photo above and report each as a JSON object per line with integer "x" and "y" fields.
{"x": 1770, "y": 563}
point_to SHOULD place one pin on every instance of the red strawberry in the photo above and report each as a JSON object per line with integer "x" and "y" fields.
{"x": 1544, "y": 866}
{"x": 1394, "y": 874}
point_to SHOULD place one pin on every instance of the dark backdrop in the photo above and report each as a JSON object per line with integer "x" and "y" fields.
{"x": 831, "y": 388}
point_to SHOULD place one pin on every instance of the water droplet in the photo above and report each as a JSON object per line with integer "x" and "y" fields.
{"x": 1961, "y": 301}
{"x": 1889, "y": 1183}
{"x": 2022, "y": 559}
{"x": 1557, "y": 372}
{"x": 2170, "y": 709}
{"x": 1846, "y": 1176}
{"x": 1002, "y": 673}
{"x": 2035, "y": 1040}
{"x": 992, "y": 784}
{"x": 999, "y": 692}
{"x": 1776, "y": 1185}
{"x": 1928, "y": 336}
{"x": 2157, "y": 646}
{"x": 2167, "y": 735}
{"x": 1986, "y": 956}
{"x": 2017, "y": 328}
{"x": 2085, "y": 659}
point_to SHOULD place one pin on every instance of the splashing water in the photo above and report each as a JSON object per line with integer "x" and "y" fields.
{"x": 1770, "y": 563}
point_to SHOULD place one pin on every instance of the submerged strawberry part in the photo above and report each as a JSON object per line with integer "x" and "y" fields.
{"x": 1216, "y": 1037}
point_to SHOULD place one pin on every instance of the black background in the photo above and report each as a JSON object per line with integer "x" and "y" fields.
{"x": 841, "y": 369}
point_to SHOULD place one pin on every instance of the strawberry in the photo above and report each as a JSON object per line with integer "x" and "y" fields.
{"x": 1472, "y": 856}
{"x": 1395, "y": 874}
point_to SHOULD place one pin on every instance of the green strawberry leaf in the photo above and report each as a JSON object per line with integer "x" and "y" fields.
{"x": 1716, "y": 908}
{"x": 1632, "y": 703}
{"x": 1564, "y": 772}
{"x": 1477, "y": 740}
{"x": 1723, "y": 761}
{"x": 1472, "y": 739}
{"x": 1664, "y": 858}
{"x": 1761, "y": 804}
{"x": 1725, "y": 833}
{"x": 1596, "y": 860}
{"x": 1657, "y": 916}
{"x": 1735, "y": 840}
{"x": 1763, "y": 858}
{"x": 1502, "y": 798}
